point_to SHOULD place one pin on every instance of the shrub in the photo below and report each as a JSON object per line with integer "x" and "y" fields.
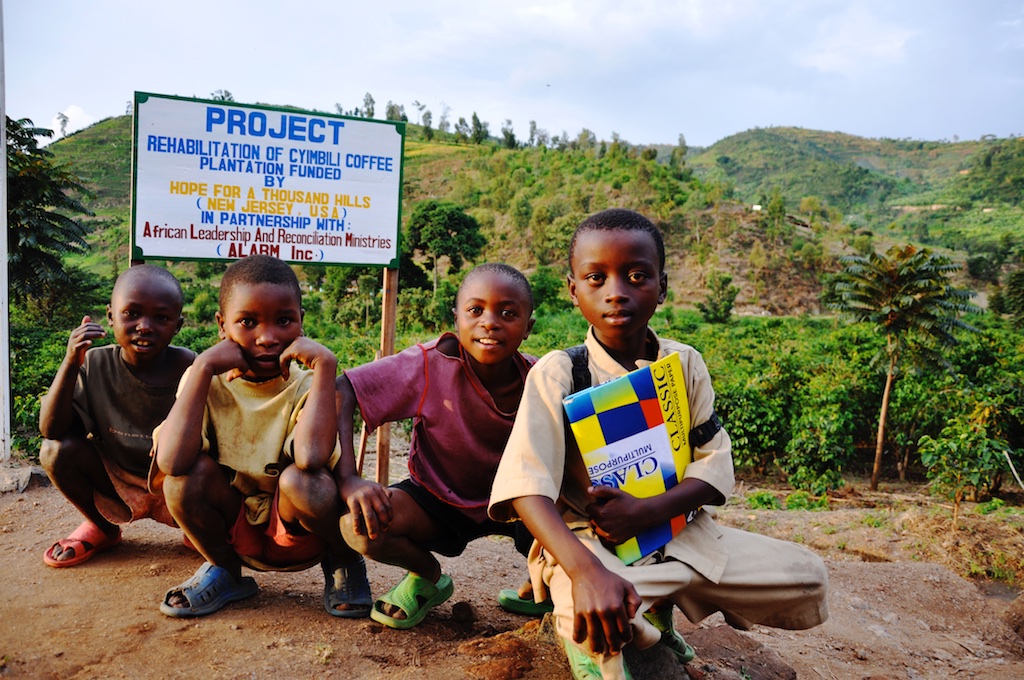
{"x": 763, "y": 500}
{"x": 204, "y": 306}
{"x": 801, "y": 500}
{"x": 549, "y": 290}
{"x": 967, "y": 460}
{"x": 717, "y": 306}
{"x": 822, "y": 443}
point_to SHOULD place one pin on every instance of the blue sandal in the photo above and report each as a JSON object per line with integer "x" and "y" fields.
{"x": 207, "y": 591}
{"x": 348, "y": 585}
{"x": 415, "y": 596}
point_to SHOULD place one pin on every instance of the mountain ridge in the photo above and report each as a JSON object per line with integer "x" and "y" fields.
{"x": 529, "y": 199}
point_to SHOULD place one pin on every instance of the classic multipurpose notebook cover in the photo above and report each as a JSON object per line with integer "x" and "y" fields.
{"x": 633, "y": 433}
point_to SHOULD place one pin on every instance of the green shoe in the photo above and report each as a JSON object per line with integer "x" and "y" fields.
{"x": 670, "y": 637}
{"x": 509, "y": 600}
{"x": 582, "y": 665}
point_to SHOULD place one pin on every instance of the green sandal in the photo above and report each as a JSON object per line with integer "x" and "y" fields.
{"x": 582, "y": 665}
{"x": 509, "y": 600}
{"x": 670, "y": 637}
{"x": 415, "y": 596}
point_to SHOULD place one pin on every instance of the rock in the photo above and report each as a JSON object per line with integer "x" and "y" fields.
{"x": 14, "y": 478}
{"x": 463, "y": 612}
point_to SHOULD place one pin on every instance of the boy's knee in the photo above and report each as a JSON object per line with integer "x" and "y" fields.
{"x": 815, "y": 573}
{"x": 180, "y": 490}
{"x": 293, "y": 482}
{"x": 49, "y": 454}
{"x": 308, "y": 488}
{"x": 57, "y": 455}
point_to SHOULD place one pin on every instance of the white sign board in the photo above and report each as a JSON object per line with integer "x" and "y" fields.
{"x": 216, "y": 180}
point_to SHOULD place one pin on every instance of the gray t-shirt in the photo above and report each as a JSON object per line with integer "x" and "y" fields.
{"x": 118, "y": 410}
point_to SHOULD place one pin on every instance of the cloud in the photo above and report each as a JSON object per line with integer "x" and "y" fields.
{"x": 855, "y": 42}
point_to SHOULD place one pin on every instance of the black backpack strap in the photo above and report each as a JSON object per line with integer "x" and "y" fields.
{"x": 702, "y": 434}
{"x": 580, "y": 381}
{"x": 580, "y": 368}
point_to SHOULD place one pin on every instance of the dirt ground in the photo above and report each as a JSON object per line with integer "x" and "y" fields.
{"x": 890, "y": 617}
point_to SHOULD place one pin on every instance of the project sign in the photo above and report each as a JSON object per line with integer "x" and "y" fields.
{"x": 215, "y": 180}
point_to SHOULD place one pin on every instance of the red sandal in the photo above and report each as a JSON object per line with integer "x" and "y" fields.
{"x": 85, "y": 541}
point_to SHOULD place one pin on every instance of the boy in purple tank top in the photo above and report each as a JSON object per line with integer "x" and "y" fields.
{"x": 462, "y": 390}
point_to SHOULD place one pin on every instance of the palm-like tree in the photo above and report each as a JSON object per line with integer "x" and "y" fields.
{"x": 41, "y": 195}
{"x": 907, "y": 294}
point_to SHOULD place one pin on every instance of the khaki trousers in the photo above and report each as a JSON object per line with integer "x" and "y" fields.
{"x": 766, "y": 581}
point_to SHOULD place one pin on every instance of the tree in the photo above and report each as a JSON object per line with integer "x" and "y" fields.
{"x": 443, "y": 124}
{"x": 368, "y": 106}
{"x": 810, "y": 206}
{"x": 222, "y": 96}
{"x": 1014, "y": 297}
{"x": 508, "y": 137}
{"x": 479, "y": 133}
{"x": 717, "y": 306}
{"x": 907, "y": 295}
{"x": 40, "y": 196}
{"x": 63, "y": 120}
{"x": 419, "y": 109}
{"x": 678, "y": 158}
{"x": 461, "y": 131}
{"x": 586, "y": 140}
{"x": 775, "y": 216}
{"x": 428, "y": 132}
{"x": 395, "y": 112}
{"x": 442, "y": 228}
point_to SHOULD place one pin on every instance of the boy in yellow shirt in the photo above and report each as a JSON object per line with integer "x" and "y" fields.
{"x": 246, "y": 454}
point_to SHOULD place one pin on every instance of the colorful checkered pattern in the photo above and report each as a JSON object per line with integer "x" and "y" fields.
{"x": 632, "y": 433}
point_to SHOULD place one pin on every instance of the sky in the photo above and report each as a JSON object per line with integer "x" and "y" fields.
{"x": 646, "y": 70}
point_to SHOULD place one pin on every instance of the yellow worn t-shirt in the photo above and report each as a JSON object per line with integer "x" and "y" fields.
{"x": 248, "y": 427}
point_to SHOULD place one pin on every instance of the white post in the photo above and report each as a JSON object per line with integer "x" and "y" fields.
{"x": 5, "y": 317}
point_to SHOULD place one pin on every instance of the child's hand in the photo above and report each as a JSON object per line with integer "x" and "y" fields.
{"x": 225, "y": 357}
{"x": 307, "y": 352}
{"x": 369, "y": 504}
{"x": 617, "y": 516}
{"x": 605, "y": 604}
{"x": 81, "y": 340}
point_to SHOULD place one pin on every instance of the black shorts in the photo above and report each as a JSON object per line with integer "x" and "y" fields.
{"x": 456, "y": 528}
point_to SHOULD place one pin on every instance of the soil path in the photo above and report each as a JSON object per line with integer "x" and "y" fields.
{"x": 100, "y": 620}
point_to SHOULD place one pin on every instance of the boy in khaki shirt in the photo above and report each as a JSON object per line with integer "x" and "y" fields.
{"x": 617, "y": 280}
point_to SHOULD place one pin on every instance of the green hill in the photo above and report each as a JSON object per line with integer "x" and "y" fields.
{"x": 853, "y": 174}
{"x": 963, "y": 196}
{"x": 528, "y": 200}
{"x": 102, "y": 153}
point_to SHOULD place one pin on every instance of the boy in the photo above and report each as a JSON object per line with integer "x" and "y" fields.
{"x": 617, "y": 279}
{"x": 245, "y": 458}
{"x": 98, "y": 417}
{"x": 463, "y": 390}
